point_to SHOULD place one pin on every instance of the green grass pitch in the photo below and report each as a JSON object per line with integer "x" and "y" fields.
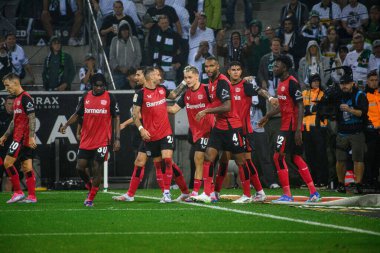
{"x": 60, "y": 223}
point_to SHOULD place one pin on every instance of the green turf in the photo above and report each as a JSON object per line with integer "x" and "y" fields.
{"x": 60, "y": 223}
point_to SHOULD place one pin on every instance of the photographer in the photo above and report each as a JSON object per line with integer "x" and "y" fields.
{"x": 351, "y": 119}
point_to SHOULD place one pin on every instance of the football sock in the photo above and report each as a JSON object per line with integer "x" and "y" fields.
{"x": 244, "y": 178}
{"x": 197, "y": 185}
{"x": 93, "y": 192}
{"x": 31, "y": 183}
{"x": 255, "y": 180}
{"x": 207, "y": 180}
{"x": 14, "y": 178}
{"x": 304, "y": 172}
{"x": 222, "y": 171}
{"x": 179, "y": 179}
{"x": 159, "y": 175}
{"x": 137, "y": 177}
{"x": 168, "y": 173}
{"x": 282, "y": 172}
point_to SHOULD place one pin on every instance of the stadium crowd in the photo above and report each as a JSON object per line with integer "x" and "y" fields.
{"x": 172, "y": 34}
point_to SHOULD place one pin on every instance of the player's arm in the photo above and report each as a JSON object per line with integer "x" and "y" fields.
{"x": 177, "y": 106}
{"x": 126, "y": 123}
{"x": 177, "y": 91}
{"x": 296, "y": 95}
{"x": 269, "y": 115}
{"x": 251, "y": 89}
{"x": 136, "y": 112}
{"x": 73, "y": 118}
{"x": 28, "y": 106}
{"x": 115, "y": 113}
{"x": 7, "y": 133}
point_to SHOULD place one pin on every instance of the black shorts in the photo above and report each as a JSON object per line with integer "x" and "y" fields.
{"x": 227, "y": 140}
{"x": 100, "y": 154}
{"x": 17, "y": 150}
{"x": 142, "y": 148}
{"x": 201, "y": 144}
{"x": 285, "y": 143}
{"x": 154, "y": 148}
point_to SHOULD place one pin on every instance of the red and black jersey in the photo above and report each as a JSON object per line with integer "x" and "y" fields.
{"x": 153, "y": 111}
{"x": 97, "y": 111}
{"x": 289, "y": 94}
{"x": 220, "y": 91}
{"x": 242, "y": 94}
{"x": 22, "y": 106}
{"x": 196, "y": 101}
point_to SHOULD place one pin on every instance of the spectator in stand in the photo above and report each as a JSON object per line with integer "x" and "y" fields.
{"x": 230, "y": 12}
{"x": 165, "y": 48}
{"x": 265, "y": 75}
{"x": 374, "y": 59}
{"x": 59, "y": 70}
{"x": 292, "y": 42}
{"x": 20, "y": 62}
{"x": 159, "y": 9}
{"x": 358, "y": 60}
{"x": 354, "y": 17}
{"x": 87, "y": 71}
{"x": 330, "y": 45}
{"x": 8, "y": 16}
{"x": 213, "y": 10}
{"x": 169, "y": 84}
{"x": 199, "y": 32}
{"x": 313, "y": 29}
{"x": 329, "y": 12}
{"x": 270, "y": 33}
{"x": 338, "y": 62}
{"x": 110, "y": 24}
{"x": 257, "y": 47}
{"x": 315, "y": 133}
{"x": 199, "y": 60}
{"x": 233, "y": 50}
{"x": 313, "y": 63}
{"x": 372, "y": 30}
{"x": 56, "y": 11}
{"x": 299, "y": 11}
{"x": 372, "y": 132}
{"x": 5, "y": 65}
{"x": 125, "y": 53}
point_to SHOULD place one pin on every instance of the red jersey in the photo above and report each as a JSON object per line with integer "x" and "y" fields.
{"x": 22, "y": 106}
{"x": 289, "y": 94}
{"x": 220, "y": 91}
{"x": 153, "y": 111}
{"x": 242, "y": 94}
{"x": 97, "y": 111}
{"x": 196, "y": 101}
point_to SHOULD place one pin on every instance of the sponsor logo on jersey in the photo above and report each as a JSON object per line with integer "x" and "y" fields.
{"x": 237, "y": 89}
{"x": 225, "y": 94}
{"x": 161, "y": 92}
{"x": 298, "y": 93}
{"x": 18, "y": 102}
{"x": 149, "y": 96}
{"x": 29, "y": 105}
{"x": 200, "y": 96}
{"x": 103, "y": 102}
{"x": 87, "y": 102}
{"x": 17, "y": 111}
{"x": 188, "y": 98}
{"x": 282, "y": 88}
{"x": 95, "y": 111}
{"x": 153, "y": 104}
{"x": 282, "y": 97}
{"x": 237, "y": 97}
{"x": 197, "y": 106}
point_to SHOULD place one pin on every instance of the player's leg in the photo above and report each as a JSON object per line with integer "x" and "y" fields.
{"x": 222, "y": 171}
{"x": 167, "y": 155}
{"x": 282, "y": 168}
{"x": 208, "y": 170}
{"x": 10, "y": 159}
{"x": 30, "y": 179}
{"x": 199, "y": 158}
{"x": 180, "y": 181}
{"x": 255, "y": 180}
{"x": 82, "y": 167}
{"x": 244, "y": 175}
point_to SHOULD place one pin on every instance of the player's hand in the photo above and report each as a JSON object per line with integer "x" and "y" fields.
{"x": 78, "y": 137}
{"x": 249, "y": 78}
{"x": 3, "y": 139}
{"x": 116, "y": 145}
{"x": 274, "y": 102}
{"x": 263, "y": 121}
{"x": 145, "y": 135}
{"x": 32, "y": 143}
{"x": 62, "y": 130}
{"x": 298, "y": 137}
{"x": 200, "y": 115}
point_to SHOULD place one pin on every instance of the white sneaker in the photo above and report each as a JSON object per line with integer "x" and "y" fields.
{"x": 166, "y": 198}
{"x": 242, "y": 200}
{"x": 202, "y": 198}
{"x": 182, "y": 197}
{"x": 190, "y": 198}
{"x": 123, "y": 197}
{"x": 72, "y": 42}
{"x": 259, "y": 197}
{"x": 274, "y": 186}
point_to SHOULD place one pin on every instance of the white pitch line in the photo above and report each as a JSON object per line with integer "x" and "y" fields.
{"x": 102, "y": 209}
{"x": 314, "y": 223}
{"x": 170, "y": 233}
